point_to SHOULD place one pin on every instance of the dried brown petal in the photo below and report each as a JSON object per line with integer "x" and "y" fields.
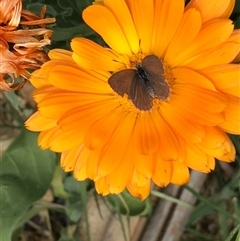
{"x": 8, "y": 86}
{"x": 28, "y": 41}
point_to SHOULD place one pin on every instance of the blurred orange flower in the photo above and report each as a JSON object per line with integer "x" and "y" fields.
{"x": 21, "y": 43}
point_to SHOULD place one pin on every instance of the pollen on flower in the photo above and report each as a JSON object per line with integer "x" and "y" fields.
{"x": 136, "y": 58}
{"x": 168, "y": 75}
{"x": 124, "y": 103}
{"x": 142, "y": 83}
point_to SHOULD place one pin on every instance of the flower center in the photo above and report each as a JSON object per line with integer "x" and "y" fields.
{"x": 143, "y": 83}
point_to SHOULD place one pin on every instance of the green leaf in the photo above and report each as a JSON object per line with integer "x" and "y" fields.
{"x": 83, "y": 3}
{"x": 237, "y": 7}
{"x": 25, "y": 175}
{"x": 237, "y": 23}
{"x": 72, "y": 186}
{"x": 76, "y": 203}
{"x": 36, "y": 208}
{"x": 74, "y": 208}
{"x": 61, "y": 34}
{"x": 37, "y": 7}
{"x": 57, "y": 184}
{"x": 126, "y": 204}
{"x": 84, "y": 195}
{"x": 233, "y": 232}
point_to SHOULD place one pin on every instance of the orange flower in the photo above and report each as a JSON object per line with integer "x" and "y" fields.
{"x": 26, "y": 52}
{"x": 155, "y": 103}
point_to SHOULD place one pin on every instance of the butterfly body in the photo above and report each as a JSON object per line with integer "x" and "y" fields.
{"x": 142, "y": 84}
{"x": 144, "y": 77}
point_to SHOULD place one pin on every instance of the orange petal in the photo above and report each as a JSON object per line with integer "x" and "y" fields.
{"x": 102, "y": 187}
{"x": 188, "y": 76}
{"x": 168, "y": 142}
{"x": 192, "y": 97}
{"x": 90, "y": 55}
{"x": 202, "y": 117}
{"x": 216, "y": 143}
{"x": 105, "y": 121}
{"x": 140, "y": 192}
{"x": 60, "y": 141}
{"x": 43, "y": 92}
{"x": 60, "y": 54}
{"x": 73, "y": 79}
{"x": 143, "y": 164}
{"x": 139, "y": 186}
{"x": 114, "y": 151}
{"x": 231, "y": 122}
{"x": 223, "y": 54}
{"x": 137, "y": 180}
{"x": 180, "y": 174}
{"x": 228, "y": 11}
{"x": 121, "y": 12}
{"x": 209, "y": 104}
{"x": 48, "y": 66}
{"x": 210, "y": 36}
{"x": 142, "y": 13}
{"x": 108, "y": 27}
{"x": 93, "y": 164}
{"x": 145, "y": 134}
{"x": 235, "y": 36}
{"x": 69, "y": 158}
{"x": 116, "y": 181}
{"x": 214, "y": 138}
{"x": 211, "y": 162}
{"x": 197, "y": 159}
{"x": 39, "y": 79}
{"x": 57, "y": 104}
{"x": 80, "y": 174}
{"x": 188, "y": 29}
{"x": 190, "y": 131}
{"x": 86, "y": 118}
{"x": 212, "y": 9}
{"x": 162, "y": 173}
{"x": 167, "y": 17}
{"x": 225, "y": 78}
{"x": 43, "y": 138}
{"x": 87, "y": 163}
{"x": 37, "y": 122}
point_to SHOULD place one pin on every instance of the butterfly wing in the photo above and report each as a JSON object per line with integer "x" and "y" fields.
{"x": 128, "y": 82}
{"x": 153, "y": 64}
{"x": 121, "y": 81}
{"x": 155, "y": 70}
{"x": 139, "y": 94}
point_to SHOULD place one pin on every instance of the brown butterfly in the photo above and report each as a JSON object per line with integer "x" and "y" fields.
{"x": 143, "y": 83}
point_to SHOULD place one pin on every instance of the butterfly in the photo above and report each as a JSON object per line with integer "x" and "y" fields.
{"x": 142, "y": 84}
